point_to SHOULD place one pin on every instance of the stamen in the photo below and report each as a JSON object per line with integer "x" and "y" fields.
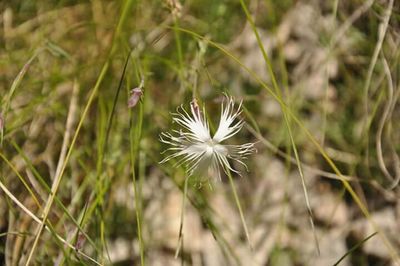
{"x": 193, "y": 146}
{"x": 195, "y": 109}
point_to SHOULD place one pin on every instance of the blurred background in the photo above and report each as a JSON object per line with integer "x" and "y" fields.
{"x": 66, "y": 72}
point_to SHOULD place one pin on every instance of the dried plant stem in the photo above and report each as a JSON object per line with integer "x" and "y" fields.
{"x": 14, "y": 169}
{"x": 285, "y": 111}
{"x": 350, "y": 21}
{"x": 60, "y": 166}
{"x": 292, "y": 160}
{"x": 36, "y": 219}
{"x": 386, "y": 114}
{"x": 309, "y": 135}
{"x": 57, "y": 180}
{"x": 381, "y": 36}
{"x": 14, "y": 86}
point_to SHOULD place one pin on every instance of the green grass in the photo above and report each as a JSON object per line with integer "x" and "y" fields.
{"x": 80, "y": 171}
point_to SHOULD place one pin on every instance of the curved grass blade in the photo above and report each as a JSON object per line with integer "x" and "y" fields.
{"x": 57, "y": 180}
{"x": 354, "y": 248}
{"x": 309, "y": 135}
{"x": 286, "y": 118}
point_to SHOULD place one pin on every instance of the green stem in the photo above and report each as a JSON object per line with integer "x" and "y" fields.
{"x": 135, "y": 136}
{"x": 180, "y": 241}
{"x": 239, "y": 207}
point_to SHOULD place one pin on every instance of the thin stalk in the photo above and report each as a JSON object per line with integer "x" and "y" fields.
{"x": 134, "y": 138}
{"x": 285, "y": 112}
{"x": 180, "y": 239}
{"x": 48, "y": 189}
{"x": 22, "y": 180}
{"x": 14, "y": 86}
{"x": 239, "y": 206}
{"x": 309, "y": 135}
{"x": 354, "y": 248}
{"x": 134, "y": 142}
{"x": 382, "y": 29}
{"x": 58, "y": 178}
{"x": 48, "y": 226}
{"x": 178, "y": 48}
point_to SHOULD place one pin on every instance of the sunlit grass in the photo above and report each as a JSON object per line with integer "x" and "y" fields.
{"x": 80, "y": 169}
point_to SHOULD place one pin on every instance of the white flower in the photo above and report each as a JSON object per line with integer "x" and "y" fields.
{"x": 195, "y": 147}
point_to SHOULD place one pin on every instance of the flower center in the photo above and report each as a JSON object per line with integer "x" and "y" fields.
{"x": 214, "y": 147}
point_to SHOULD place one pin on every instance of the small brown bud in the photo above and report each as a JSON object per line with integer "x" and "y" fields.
{"x": 135, "y": 95}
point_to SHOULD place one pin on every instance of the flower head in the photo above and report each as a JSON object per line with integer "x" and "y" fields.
{"x": 195, "y": 147}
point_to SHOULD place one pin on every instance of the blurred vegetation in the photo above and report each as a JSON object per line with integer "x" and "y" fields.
{"x": 64, "y": 90}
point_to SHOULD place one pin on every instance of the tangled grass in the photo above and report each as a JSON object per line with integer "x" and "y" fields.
{"x": 87, "y": 88}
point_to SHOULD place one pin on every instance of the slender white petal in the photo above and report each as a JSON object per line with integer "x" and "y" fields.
{"x": 198, "y": 127}
{"x": 227, "y": 128}
{"x": 193, "y": 145}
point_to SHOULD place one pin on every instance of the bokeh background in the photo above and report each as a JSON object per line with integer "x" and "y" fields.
{"x": 66, "y": 70}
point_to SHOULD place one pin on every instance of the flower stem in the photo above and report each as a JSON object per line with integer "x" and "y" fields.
{"x": 239, "y": 207}
{"x": 180, "y": 240}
